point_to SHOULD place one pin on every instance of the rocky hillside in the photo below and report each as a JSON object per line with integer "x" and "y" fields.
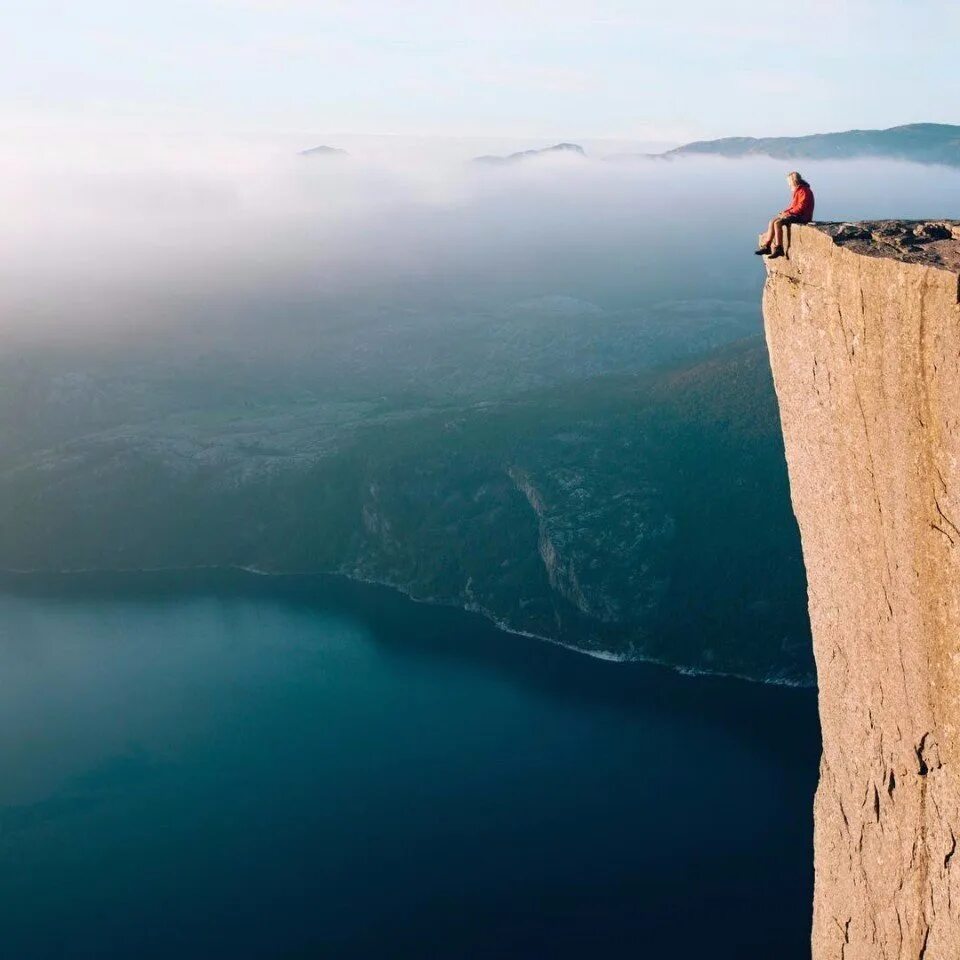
{"x": 628, "y": 515}
{"x": 863, "y": 325}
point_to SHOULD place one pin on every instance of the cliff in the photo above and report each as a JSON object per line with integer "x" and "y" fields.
{"x": 863, "y": 326}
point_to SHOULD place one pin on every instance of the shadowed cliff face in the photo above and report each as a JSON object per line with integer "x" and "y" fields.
{"x": 863, "y": 325}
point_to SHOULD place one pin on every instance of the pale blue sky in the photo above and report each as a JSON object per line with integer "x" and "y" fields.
{"x": 672, "y": 70}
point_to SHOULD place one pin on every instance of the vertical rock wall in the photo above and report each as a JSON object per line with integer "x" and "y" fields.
{"x": 863, "y": 327}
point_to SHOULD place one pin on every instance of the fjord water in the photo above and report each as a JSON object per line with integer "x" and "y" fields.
{"x": 216, "y": 765}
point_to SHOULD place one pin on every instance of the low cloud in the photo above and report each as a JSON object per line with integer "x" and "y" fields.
{"x": 141, "y": 232}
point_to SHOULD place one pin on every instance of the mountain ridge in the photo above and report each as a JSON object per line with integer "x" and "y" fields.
{"x": 558, "y": 149}
{"x": 919, "y": 142}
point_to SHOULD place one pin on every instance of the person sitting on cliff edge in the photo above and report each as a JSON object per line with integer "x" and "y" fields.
{"x": 799, "y": 211}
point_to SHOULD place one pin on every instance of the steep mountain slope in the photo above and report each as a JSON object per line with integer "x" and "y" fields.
{"x": 641, "y": 515}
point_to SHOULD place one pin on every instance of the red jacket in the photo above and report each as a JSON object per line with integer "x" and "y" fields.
{"x": 801, "y": 206}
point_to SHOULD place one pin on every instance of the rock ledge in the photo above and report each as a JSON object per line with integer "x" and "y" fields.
{"x": 931, "y": 242}
{"x": 863, "y": 326}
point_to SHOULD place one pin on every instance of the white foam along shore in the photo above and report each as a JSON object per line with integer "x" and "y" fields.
{"x": 502, "y": 625}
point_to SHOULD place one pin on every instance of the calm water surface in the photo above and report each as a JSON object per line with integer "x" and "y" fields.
{"x": 213, "y": 765}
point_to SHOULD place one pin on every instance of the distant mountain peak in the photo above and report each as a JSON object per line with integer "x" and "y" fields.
{"x": 569, "y": 149}
{"x": 324, "y": 151}
{"x": 916, "y": 142}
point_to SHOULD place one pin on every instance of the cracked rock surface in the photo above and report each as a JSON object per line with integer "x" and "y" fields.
{"x": 863, "y": 326}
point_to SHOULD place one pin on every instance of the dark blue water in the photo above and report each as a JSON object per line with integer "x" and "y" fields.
{"x": 233, "y": 767}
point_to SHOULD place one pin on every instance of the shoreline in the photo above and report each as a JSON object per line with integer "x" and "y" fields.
{"x": 497, "y": 622}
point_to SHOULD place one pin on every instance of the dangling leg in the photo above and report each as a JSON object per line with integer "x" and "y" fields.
{"x": 766, "y": 239}
{"x": 776, "y": 248}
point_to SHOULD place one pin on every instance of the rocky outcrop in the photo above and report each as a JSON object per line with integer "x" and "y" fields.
{"x": 588, "y": 536}
{"x": 863, "y": 326}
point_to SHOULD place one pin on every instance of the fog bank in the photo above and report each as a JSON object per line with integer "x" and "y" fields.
{"x": 148, "y": 235}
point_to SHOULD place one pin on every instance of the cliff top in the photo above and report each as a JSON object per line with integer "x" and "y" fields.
{"x": 934, "y": 243}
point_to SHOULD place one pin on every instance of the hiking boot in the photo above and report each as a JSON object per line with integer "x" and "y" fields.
{"x": 774, "y": 253}
{"x": 762, "y": 251}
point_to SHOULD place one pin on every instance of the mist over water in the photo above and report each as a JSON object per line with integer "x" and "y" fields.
{"x": 148, "y": 236}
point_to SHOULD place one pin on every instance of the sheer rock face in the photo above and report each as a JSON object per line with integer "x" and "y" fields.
{"x": 863, "y": 326}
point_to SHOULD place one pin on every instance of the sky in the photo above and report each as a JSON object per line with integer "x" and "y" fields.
{"x": 563, "y": 69}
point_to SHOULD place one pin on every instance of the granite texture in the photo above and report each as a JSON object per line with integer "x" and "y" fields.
{"x": 863, "y": 325}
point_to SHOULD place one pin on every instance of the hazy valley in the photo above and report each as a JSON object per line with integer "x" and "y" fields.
{"x": 535, "y": 390}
